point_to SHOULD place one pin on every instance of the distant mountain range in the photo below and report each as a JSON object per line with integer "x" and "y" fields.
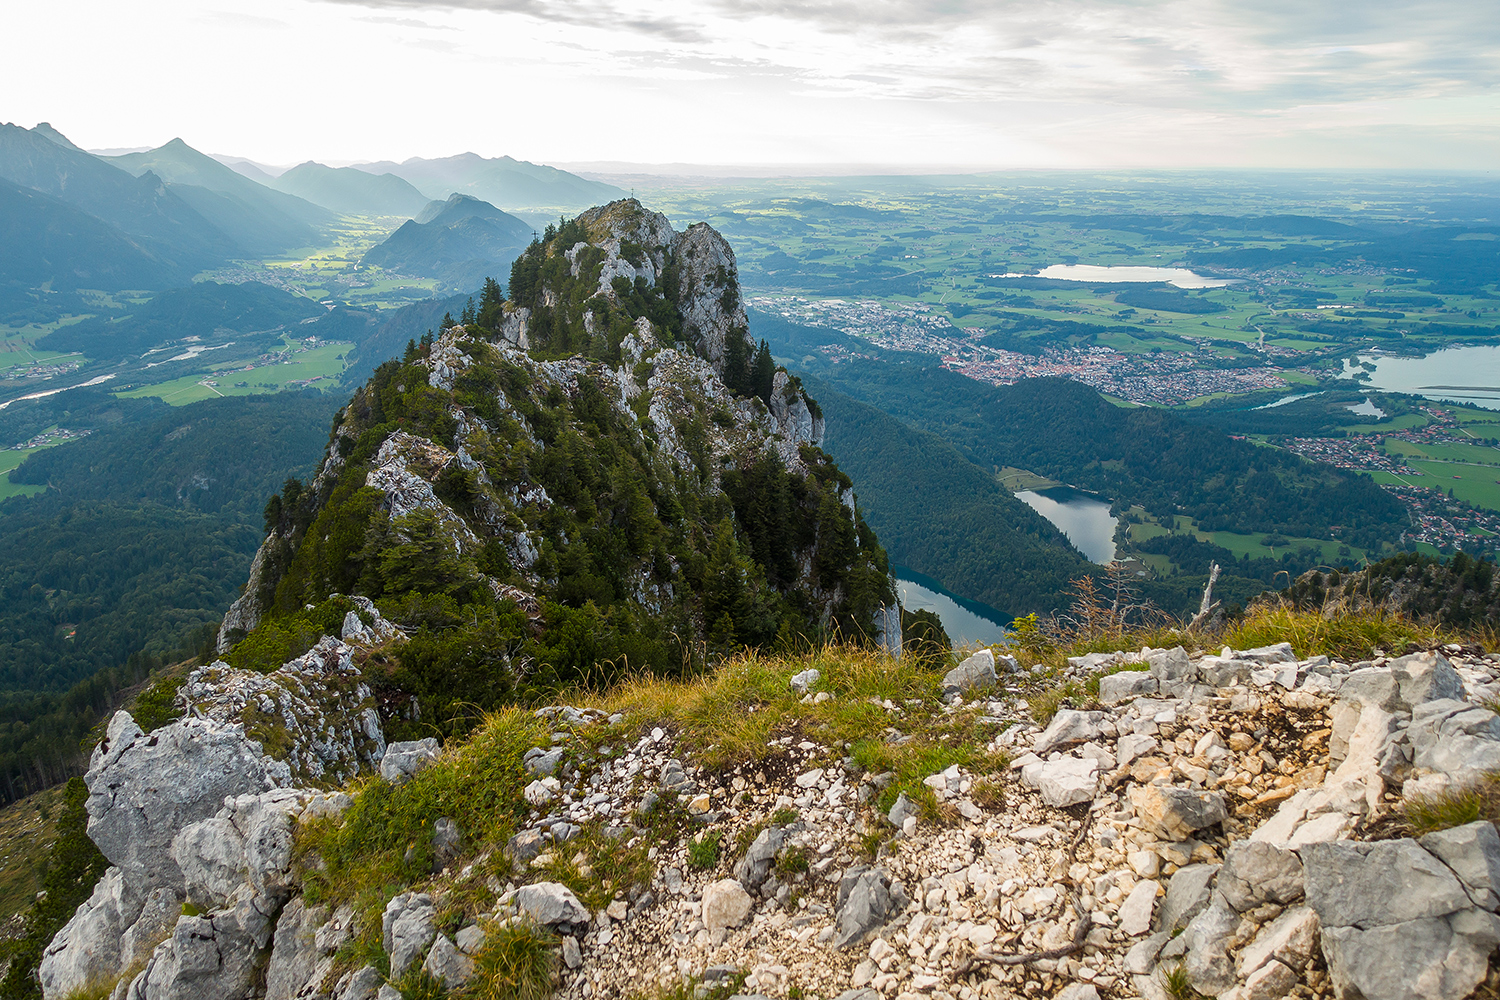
{"x": 259, "y": 219}
{"x": 348, "y": 191}
{"x": 144, "y": 209}
{"x": 509, "y": 183}
{"x": 460, "y": 242}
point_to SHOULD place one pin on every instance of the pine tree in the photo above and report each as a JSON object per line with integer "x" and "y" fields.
{"x": 468, "y": 317}
{"x": 491, "y": 306}
{"x": 763, "y": 373}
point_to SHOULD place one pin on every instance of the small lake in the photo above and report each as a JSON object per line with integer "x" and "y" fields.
{"x": 1365, "y": 409}
{"x": 1179, "y": 276}
{"x": 968, "y": 623}
{"x": 1287, "y": 399}
{"x": 1083, "y": 517}
{"x": 1468, "y": 375}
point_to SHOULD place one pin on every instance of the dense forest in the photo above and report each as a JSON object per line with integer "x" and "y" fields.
{"x": 129, "y": 559}
{"x": 1146, "y": 456}
{"x": 945, "y": 517}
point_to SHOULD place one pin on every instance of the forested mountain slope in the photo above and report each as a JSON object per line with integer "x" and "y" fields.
{"x": 1146, "y": 456}
{"x": 132, "y": 556}
{"x": 599, "y": 474}
{"x": 945, "y": 517}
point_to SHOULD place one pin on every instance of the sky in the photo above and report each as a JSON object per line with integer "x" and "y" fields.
{"x": 817, "y": 86}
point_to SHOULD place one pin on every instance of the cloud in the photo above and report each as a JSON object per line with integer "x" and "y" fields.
{"x": 577, "y": 13}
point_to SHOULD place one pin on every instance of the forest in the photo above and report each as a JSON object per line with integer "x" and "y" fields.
{"x": 129, "y": 558}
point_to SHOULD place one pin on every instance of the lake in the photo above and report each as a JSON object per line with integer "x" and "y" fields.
{"x": 1083, "y": 517}
{"x": 1179, "y": 276}
{"x": 967, "y": 623}
{"x": 1456, "y": 374}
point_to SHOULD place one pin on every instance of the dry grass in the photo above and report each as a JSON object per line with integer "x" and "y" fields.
{"x": 1341, "y": 635}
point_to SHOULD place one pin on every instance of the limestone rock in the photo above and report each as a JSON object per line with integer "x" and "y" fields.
{"x": 752, "y": 870}
{"x": 208, "y": 956}
{"x": 143, "y": 790}
{"x": 1177, "y": 813}
{"x": 294, "y": 952}
{"x": 447, "y": 964}
{"x": 550, "y": 904}
{"x": 973, "y": 675}
{"x": 1430, "y": 958}
{"x": 725, "y": 904}
{"x": 1135, "y": 912}
{"x": 1067, "y": 727}
{"x": 1290, "y": 940}
{"x": 402, "y": 760}
{"x": 1187, "y": 894}
{"x": 868, "y": 897}
{"x": 805, "y": 681}
{"x": 1472, "y": 851}
{"x": 1376, "y": 884}
{"x": 1256, "y": 872}
{"x": 1064, "y": 782}
{"x": 407, "y": 927}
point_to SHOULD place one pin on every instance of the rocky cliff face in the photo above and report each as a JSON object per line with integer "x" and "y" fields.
{"x": 599, "y": 443}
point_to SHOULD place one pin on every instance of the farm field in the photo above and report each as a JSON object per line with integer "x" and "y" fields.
{"x": 319, "y": 367}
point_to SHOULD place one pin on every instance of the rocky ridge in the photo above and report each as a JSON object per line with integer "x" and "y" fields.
{"x": 1224, "y": 820}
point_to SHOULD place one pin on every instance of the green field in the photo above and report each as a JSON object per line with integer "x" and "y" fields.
{"x": 9, "y": 459}
{"x": 324, "y": 362}
{"x": 1236, "y": 542}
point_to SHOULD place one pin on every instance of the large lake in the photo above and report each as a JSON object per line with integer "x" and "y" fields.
{"x": 966, "y": 622}
{"x": 1456, "y": 374}
{"x": 1083, "y": 517}
{"x": 1179, "y": 276}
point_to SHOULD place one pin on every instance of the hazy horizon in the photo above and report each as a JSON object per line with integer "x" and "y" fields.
{"x": 964, "y": 84}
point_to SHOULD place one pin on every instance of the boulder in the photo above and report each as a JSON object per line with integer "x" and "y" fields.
{"x": 550, "y": 904}
{"x": 1187, "y": 894}
{"x": 542, "y": 763}
{"x": 1424, "y": 677}
{"x": 1207, "y": 963}
{"x": 752, "y": 870}
{"x": 1177, "y": 813}
{"x": 207, "y": 956}
{"x": 868, "y": 897}
{"x": 1064, "y": 782}
{"x": 973, "y": 675}
{"x": 364, "y": 983}
{"x": 87, "y": 949}
{"x": 1170, "y": 664}
{"x": 1376, "y": 884}
{"x": 1135, "y": 912}
{"x": 900, "y": 810}
{"x": 294, "y": 951}
{"x": 1472, "y": 851}
{"x": 1067, "y": 727}
{"x": 1429, "y": 958}
{"x": 143, "y": 790}
{"x": 407, "y": 927}
{"x": 1256, "y": 873}
{"x": 447, "y": 843}
{"x": 725, "y": 904}
{"x": 402, "y": 760}
{"x": 1290, "y": 940}
{"x": 1115, "y": 688}
{"x": 447, "y": 964}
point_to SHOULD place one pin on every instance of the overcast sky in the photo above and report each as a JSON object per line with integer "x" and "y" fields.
{"x": 902, "y": 83}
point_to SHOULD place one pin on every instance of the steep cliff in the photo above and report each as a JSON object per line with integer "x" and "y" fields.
{"x": 599, "y": 473}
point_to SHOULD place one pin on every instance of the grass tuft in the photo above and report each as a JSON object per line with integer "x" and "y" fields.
{"x": 703, "y": 850}
{"x": 517, "y": 962}
{"x": 1343, "y": 635}
{"x": 1454, "y": 807}
{"x": 1178, "y": 985}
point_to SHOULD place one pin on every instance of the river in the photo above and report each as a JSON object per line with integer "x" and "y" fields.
{"x": 1083, "y": 517}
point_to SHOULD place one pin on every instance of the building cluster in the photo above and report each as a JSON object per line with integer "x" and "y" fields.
{"x": 1361, "y": 453}
{"x": 42, "y": 369}
{"x": 55, "y": 436}
{"x": 1440, "y": 520}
